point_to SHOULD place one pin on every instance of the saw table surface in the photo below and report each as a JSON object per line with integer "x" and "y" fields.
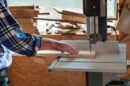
{"x": 111, "y": 57}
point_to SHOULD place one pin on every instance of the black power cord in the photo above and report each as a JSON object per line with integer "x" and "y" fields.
{"x": 108, "y": 26}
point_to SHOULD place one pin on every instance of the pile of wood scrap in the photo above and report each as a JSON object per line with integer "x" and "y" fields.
{"x": 74, "y": 23}
{"x": 69, "y": 29}
{"x": 24, "y": 15}
{"x": 65, "y": 29}
{"x": 72, "y": 27}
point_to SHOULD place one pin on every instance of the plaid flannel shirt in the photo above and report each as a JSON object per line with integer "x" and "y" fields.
{"x": 13, "y": 39}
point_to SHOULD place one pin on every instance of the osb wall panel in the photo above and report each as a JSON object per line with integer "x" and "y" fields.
{"x": 26, "y": 71}
{"x": 127, "y": 41}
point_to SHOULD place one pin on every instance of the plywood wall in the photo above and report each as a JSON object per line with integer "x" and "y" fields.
{"x": 34, "y": 72}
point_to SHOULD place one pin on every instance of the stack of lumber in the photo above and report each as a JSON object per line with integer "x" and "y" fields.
{"x": 24, "y": 15}
{"x": 68, "y": 29}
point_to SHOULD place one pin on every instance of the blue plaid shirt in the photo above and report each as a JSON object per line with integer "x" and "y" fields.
{"x": 13, "y": 39}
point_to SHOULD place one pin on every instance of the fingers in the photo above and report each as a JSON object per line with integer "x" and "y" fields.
{"x": 67, "y": 48}
{"x": 63, "y": 47}
{"x": 71, "y": 50}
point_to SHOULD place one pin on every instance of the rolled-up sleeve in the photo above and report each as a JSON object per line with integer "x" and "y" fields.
{"x": 12, "y": 37}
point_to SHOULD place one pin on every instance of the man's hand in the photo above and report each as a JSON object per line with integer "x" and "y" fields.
{"x": 57, "y": 45}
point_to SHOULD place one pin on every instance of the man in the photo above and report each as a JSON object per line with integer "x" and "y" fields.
{"x": 13, "y": 39}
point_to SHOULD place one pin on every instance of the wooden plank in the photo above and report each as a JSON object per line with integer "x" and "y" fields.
{"x": 104, "y": 57}
{"x": 24, "y": 20}
{"x": 21, "y": 8}
{"x": 70, "y": 13}
{"x": 72, "y": 16}
{"x": 66, "y": 37}
{"x": 82, "y": 54}
{"x": 60, "y": 20}
{"x": 25, "y": 14}
{"x": 46, "y": 13}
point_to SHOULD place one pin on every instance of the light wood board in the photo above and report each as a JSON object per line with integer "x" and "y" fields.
{"x": 81, "y": 54}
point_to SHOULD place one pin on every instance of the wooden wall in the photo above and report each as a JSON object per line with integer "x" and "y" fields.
{"x": 125, "y": 38}
{"x": 24, "y": 15}
{"x": 33, "y": 71}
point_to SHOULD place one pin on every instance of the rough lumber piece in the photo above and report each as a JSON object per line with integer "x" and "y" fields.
{"x": 82, "y": 54}
{"x": 25, "y": 14}
{"x": 73, "y": 16}
{"x": 60, "y": 20}
{"x": 21, "y": 8}
{"x": 49, "y": 27}
{"x": 70, "y": 13}
{"x": 68, "y": 31}
{"x": 47, "y": 13}
{"x": 24, "y": 20}
{"x": 85, "y": 54}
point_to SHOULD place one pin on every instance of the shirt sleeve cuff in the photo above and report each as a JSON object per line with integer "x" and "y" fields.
{"x": 37, "y": 45}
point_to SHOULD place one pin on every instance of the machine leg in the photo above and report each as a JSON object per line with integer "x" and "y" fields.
{"x": 95, "y": 79}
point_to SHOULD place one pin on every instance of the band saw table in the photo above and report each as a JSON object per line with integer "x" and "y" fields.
{"x": 110, "y": 60}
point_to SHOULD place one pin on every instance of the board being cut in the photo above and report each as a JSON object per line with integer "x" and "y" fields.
{"x": 81, "y": 54}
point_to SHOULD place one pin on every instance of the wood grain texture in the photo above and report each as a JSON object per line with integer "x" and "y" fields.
{"x": 127, "y": 41}
{"x": 60, "y": 20}
{"x": 26, "y": 71}
{"x": 21, "y": 8}
{"x": 82, "y": 54}
{"x": 70, "y": 13}
{"x": 25, "y": 14}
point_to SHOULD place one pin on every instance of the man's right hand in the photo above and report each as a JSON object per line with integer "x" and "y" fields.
{"x": 57, "y": 45}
